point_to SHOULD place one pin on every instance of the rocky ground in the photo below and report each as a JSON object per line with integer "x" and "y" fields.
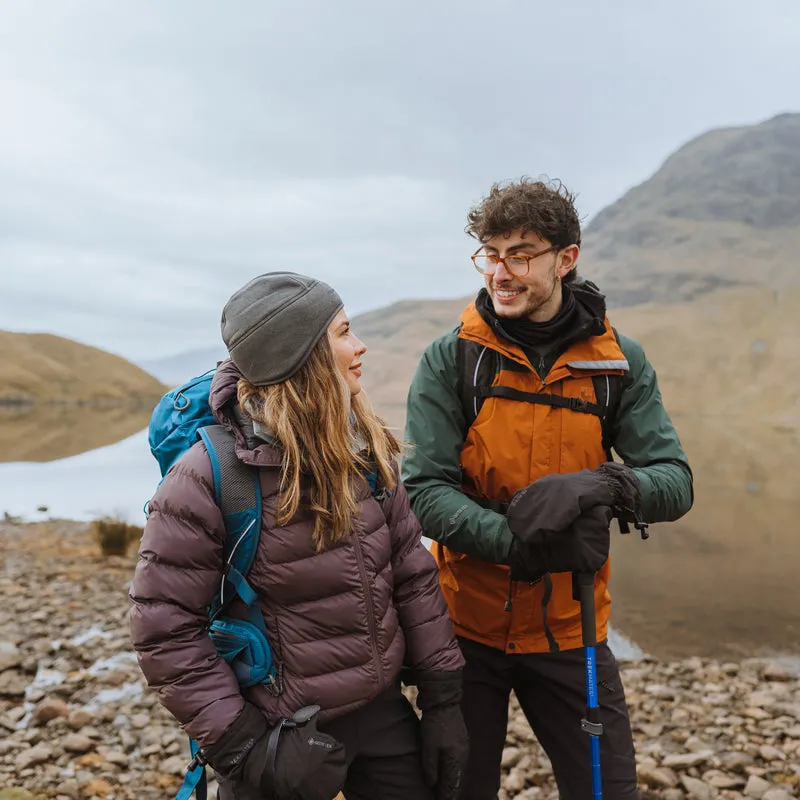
{"x": 76, "y": 720}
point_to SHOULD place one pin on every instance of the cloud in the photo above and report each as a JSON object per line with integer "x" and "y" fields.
{"x": 154, "y": 157}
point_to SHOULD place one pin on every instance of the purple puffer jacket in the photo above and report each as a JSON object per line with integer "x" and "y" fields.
{"x": 341, "y": 622}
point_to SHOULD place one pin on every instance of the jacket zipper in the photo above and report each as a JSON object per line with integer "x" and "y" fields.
{"x": 509, "y": 605}
{"x": 373, "y": 635}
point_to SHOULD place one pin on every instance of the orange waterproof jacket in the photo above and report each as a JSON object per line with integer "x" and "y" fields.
{"x": 453, "y": 471}
{"x": 509, "y": 446}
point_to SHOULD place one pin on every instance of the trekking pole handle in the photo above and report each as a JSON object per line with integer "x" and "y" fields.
{"x": 583, "y": 591}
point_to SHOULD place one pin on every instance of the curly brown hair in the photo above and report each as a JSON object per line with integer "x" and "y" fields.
{"x": 546, "y": 209}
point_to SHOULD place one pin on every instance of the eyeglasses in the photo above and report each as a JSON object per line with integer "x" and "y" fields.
{"x": 517, "y": 265}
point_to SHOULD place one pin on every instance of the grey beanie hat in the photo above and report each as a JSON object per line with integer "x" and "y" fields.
{"x": 271, "y": 325}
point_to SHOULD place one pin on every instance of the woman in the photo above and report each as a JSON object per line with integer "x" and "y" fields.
{"x": 348, "y": 591}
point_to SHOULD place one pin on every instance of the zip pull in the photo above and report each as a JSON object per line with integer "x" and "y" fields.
{"x": 508, "y": 606}
{"x": 641, "y": 525}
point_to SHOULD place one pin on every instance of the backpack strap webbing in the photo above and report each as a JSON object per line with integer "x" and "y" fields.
{"x": 237, "y": 491}
{"x": 234, "y": 487}
{"x": 553, "y": 400}
{"x": 607, "y": 392}
{"x": 477, "y": 366}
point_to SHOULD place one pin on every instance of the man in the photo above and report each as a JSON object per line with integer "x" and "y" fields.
{"x": 511, "y": 419}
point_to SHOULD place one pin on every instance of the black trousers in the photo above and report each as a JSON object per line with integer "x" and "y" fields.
{"x": 551, "y": 690}
{"x": 381, "y": 741}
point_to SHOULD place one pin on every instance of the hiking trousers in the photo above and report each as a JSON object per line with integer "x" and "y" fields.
{"x": 381, "y": 742}
{"x": 551, "y": 690}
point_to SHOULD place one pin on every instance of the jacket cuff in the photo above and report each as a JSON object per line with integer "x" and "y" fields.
{"x": 230, "y": 750}
{"x": 437, "y": 689}
{"x": 624, "y": 485}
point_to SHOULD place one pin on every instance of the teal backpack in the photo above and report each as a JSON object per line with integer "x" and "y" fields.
{"x": 181, "y": 417}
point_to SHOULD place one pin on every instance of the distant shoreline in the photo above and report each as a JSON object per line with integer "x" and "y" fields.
{"x": 134, "y": 402}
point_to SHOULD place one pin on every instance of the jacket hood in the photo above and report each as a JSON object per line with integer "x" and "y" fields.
{"x": 250, "y": 448}
{"x": 590, "y": 297}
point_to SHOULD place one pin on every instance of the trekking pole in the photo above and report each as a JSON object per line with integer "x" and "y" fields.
{"x": 583, "y": 591}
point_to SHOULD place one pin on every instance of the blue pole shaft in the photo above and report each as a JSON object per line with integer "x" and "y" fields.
{"x": 592, "y": 705}
{"x": 592, "y": 725}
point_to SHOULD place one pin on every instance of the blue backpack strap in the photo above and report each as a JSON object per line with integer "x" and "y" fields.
{"x": 237, "y": 490}
{"x": 195, "y": 780}
{"x": 244, "y": 644}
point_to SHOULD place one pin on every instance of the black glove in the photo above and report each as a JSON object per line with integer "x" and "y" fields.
{"x": 554, "y": 502}
{"x": 527, "y": 561}
{"x": 625, "y": 487}
{"x": 583, "y": 547}
{"x": 291, "y": 761}
{"x": 445, "y": 744}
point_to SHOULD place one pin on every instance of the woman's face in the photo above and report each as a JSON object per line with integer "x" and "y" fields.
{"x": 347, "y": 351}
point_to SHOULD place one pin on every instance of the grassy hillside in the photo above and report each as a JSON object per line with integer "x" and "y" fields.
{"x": 42, "y": 368}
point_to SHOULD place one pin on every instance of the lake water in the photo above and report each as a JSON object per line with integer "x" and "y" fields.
{"x": 722, "y": 582}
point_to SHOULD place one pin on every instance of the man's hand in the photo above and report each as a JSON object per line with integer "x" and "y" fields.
{"x": 553, "y": 503}
{"x": 582, "y": 547}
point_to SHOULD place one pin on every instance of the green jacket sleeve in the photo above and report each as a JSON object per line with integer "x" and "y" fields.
{"x": 431, "y": 469}
{"x": 645, "y": 439}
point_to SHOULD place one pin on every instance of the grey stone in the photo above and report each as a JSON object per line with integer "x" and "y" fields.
{"x": 723, "y": 780}
{"x": 770, "y": 753}
{"x": 687, "y": 759}
{"x": 775, "y": 672}
{"x": 80, "y": 718}
{"x": 38, "y": 754}
{"x": 757, "y": 787}
{"x": 175, "y": 765}
{"x": 657, "y": 777}
{"x": 696, "y": 788}
{"x": 76, "y": 743}
{"x": 12, "y": 683}
{"x": 736, "y": 761}
{"x": 10, "y": 656}
{"x": 776, "y": 793}
{"x": 50, "y": 708}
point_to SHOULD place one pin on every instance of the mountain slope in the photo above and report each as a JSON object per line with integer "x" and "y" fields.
{"x": 40, "y": 367}
{"x": 722, "y": 211}
{"x": 175, "y": 370}
{"x": 730, "y": 353}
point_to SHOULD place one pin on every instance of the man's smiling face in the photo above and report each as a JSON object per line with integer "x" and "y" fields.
{"x": 536, "y": 292}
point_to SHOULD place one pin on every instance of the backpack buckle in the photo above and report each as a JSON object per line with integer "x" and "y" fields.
{"x": 199, "y": 760}
{"x": 578, "y": 404}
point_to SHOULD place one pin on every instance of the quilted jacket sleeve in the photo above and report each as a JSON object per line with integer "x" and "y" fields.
{"x": 431, "y": 645}
{"x": 178, "y": 572}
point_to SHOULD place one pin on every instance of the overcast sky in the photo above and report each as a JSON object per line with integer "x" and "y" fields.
{"x": 156, "y": 155}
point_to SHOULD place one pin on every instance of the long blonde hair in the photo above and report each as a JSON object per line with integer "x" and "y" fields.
{"x": 318, "y": 425}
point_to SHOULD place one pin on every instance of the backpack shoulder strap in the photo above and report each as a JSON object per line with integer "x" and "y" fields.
{"x": 477, "y": 366}
{"x": 237, "y": 489}
{"x": 234, "y": 486}
{"x": 608, "y": 391}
